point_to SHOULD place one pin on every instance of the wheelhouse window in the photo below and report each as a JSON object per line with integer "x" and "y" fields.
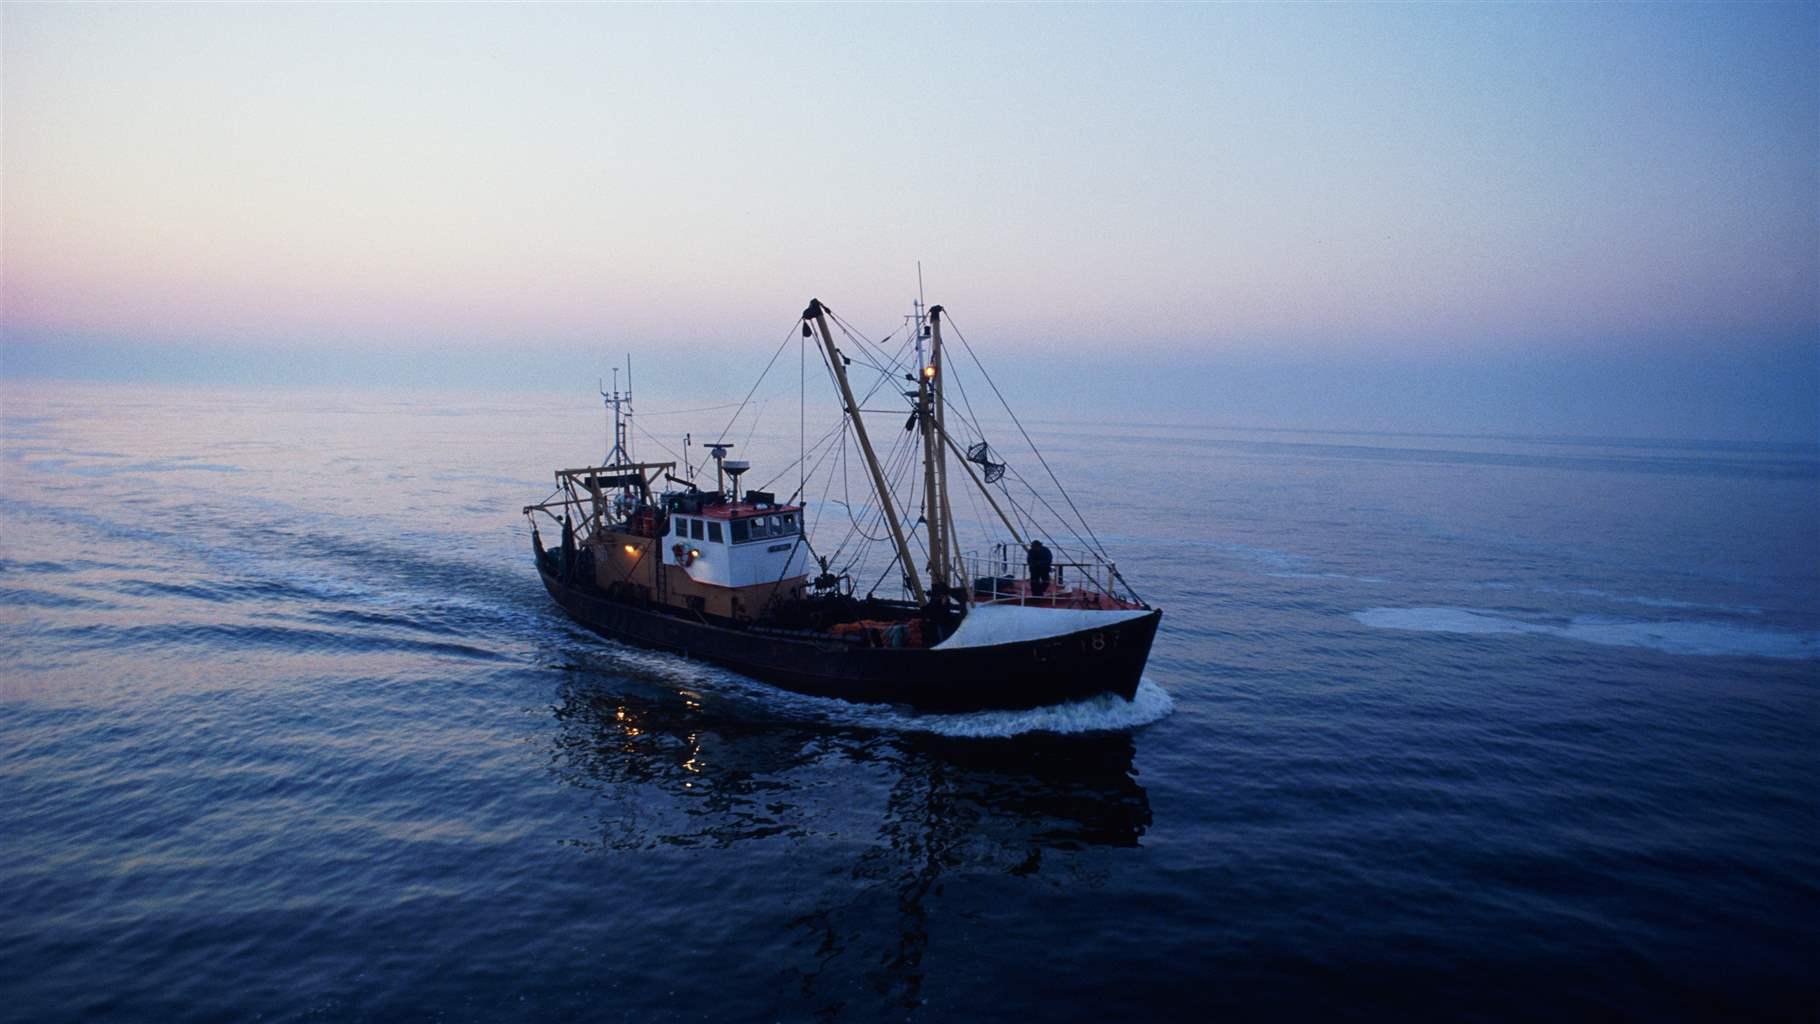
{"x": 713, "y": 533}
{"x": 741, "y": 531}
{"x": 787, "y": 523}
{"x": 682, "y": 526}
{"x": 694, "y": 529}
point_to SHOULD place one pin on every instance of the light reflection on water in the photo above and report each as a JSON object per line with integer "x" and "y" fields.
{"x": 910, "y": 809}
{"x": 697, "y": 778}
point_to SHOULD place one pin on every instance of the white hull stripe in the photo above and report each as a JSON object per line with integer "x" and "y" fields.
{"x": 989, "y": 625}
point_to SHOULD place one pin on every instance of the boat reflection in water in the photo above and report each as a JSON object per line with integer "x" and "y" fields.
{"x": 870, "y": 825}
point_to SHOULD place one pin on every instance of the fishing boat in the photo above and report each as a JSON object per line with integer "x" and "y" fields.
{"x": 754, "y": 582}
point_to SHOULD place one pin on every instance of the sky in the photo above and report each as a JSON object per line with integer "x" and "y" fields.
{"x": 1536, "y": 217}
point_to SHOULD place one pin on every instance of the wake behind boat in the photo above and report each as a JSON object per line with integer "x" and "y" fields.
{"x": 725, "y": 574}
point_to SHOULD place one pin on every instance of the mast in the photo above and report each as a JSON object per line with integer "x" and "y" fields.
{"x": 619, "y": 414}
{"x": 940, "y": 453}
{"x": 925, "y": 421}
{"x": 816, "y": 314}
{"x": 619, "y": 406}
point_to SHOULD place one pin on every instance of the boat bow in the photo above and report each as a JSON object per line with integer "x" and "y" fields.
{"x": 990, "y": 625}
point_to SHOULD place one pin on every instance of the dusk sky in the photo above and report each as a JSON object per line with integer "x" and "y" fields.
{"x": 1580, "y": 218}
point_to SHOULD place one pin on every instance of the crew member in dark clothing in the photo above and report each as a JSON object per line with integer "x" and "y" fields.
{"x": 568, "y": 550}
{"x": 1040, "y": 561}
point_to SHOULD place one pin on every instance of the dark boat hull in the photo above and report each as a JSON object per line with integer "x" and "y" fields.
{"x": 1026, "y": 674}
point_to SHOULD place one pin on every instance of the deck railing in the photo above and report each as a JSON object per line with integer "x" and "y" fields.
{"x": 1003, "y": 576}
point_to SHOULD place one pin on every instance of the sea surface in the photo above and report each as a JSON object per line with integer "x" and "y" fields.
{"x": 1475, "y": 728}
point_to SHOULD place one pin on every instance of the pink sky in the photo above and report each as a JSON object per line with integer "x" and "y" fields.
{"x": 1222, "y": 179}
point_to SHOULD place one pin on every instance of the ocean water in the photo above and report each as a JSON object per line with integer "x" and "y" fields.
{"x": 1461, "y": 727}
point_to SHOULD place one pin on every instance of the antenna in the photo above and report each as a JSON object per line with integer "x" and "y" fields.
{"x": 619, "y": 416}
{"x": 919, "y": 322}
{"x": 719, "y": 451}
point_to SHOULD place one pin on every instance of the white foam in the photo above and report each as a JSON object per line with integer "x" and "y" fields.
{"x": 1444, "y": 620}
{"x": 1325, "y": 576}
{"x": 1709, "y": 638}
{"x": 1656, "y": 602}
{"x": 1673, "y": 637}
{"x": 1105, "y": 713}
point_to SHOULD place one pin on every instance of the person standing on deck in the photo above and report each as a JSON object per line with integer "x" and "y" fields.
{"x": 568, "y": 550}
{"x": 1040, "y": 560}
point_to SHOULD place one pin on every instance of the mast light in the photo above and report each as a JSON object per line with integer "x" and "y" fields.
{"x": 929, "y": 372}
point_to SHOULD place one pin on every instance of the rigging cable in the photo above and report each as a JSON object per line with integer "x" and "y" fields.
{"x": 679, "y": 412}
{"x": 1098, "y": 547}
{"x": 755, "y": 384}
{"x": 816, "y": 447}
{"x": 856, "y": 527}
{"x": 653, "y": 439}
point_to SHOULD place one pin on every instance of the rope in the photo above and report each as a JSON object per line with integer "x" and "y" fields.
{"x": 799, "y": 461}
{"x": 896, "y": 556}
{"x": 1098, "y": 548}
{"x": 681, "y": 412}
{"x": 742, "y": 402}
{"x": 653, "y": 439}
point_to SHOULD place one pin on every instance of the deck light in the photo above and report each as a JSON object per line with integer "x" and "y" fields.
{"x": 630, "y": 550}
{"x": 694, "y": 552}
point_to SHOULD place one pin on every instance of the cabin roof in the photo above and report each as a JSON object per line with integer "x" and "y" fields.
{"x": 741, "y": 510}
